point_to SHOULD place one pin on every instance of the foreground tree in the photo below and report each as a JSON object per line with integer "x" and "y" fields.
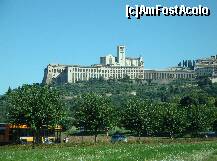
{"x": 93, "y": 113}
{"x": 174, "y": 120}
{"x": 200, "y": 118}
{"x": 135, "y": 116}
{"x": 36, "y": 106}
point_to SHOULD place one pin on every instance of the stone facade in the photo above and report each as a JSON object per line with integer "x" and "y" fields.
{"x": 112, "y": 68}
{"x": 121, "y": 59}
{"x": 206, "y": 67}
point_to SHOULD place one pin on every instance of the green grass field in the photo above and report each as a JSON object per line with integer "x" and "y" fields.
{"x": 189, "y": 151}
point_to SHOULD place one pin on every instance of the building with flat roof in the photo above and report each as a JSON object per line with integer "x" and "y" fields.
{"x": 111, "y": 67}
{"x": 206, "y": 66}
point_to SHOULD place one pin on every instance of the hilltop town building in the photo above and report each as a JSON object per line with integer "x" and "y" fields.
{"x": 121, "y": 59}
{"x": 111, "y": 67}
{"x": 206, "y": 67}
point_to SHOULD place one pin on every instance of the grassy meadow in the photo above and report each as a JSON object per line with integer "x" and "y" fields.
{"x": 166, "y": 150}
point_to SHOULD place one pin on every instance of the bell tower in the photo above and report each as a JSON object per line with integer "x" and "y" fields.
{"x": 121, "y": 50}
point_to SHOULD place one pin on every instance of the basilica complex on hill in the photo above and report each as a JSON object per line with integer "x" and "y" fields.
{"x": 120, "y": 66}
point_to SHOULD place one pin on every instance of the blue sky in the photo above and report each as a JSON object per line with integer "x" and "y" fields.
{"x": 34, "y": 33}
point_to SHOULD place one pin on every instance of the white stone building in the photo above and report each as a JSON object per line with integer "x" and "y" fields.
{"x": 121, "y": 59}
{"x": 206, "y": 67}
{"x": 111, "y": 68}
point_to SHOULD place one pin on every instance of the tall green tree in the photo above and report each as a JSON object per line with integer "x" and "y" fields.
{"x": 174, "y": 119}
{"x": 200, "y": 118}
{"x": 94, "y": 113}
{"x": 135, "y": 116}
{"x": 35, "y": 106}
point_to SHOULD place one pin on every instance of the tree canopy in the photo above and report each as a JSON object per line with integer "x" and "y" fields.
{"x": 94, "y": 113}
{"x": 35, "y": 106}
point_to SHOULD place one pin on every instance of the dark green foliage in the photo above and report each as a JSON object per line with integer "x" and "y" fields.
{"x": 200, "y": 118}
{"x": 35, "y": 106}
{"x": 3, "y": 109}
{"x": 187, "y": 101}
{"x": 180, "y": 107}
{"x": 204, "y": 81}
{"x": 134, "y": 116}
{"x": 174, "y": 121}
{"x": 126, "y": 78}
{"x": 94, "y": 113}
{"x": 166, "y": 109}
{"x": 146, "y": 118}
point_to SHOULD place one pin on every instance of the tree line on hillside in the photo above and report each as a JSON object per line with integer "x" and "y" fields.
{"x": 170, "y": 110}
{"x": 145, "y": 118}
{"x": 37, "y": 106}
